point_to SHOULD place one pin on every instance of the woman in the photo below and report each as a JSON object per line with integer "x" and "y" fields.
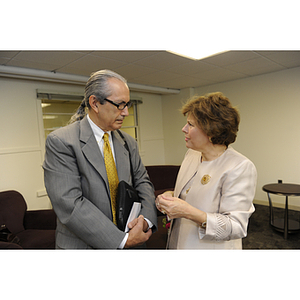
{"x": 215, "y": 186}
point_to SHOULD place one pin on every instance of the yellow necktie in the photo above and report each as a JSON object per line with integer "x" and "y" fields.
{"x": 112, "y": 175}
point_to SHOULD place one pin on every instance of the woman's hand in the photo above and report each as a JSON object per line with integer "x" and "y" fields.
{"x": 177, "y": 208}
{"x": 172, "y": 206}
{"x": 168, "y": 193}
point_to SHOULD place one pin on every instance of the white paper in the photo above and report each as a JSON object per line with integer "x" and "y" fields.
{"x": 135, "y": 210}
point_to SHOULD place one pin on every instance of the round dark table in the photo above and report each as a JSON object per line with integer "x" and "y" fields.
{"x": 284, "y": 189}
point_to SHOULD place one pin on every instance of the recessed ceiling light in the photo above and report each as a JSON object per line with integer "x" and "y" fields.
{"x": 196, "y": 54}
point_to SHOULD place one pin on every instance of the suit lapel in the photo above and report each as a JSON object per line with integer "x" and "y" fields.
{"x": 121, "y": 156}
{"x": 187, "y": 170}
{"x": 92, "y": 152}
{"x": 91, "y": 149}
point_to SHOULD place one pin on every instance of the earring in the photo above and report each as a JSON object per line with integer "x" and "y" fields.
{"x": 209, "y": 138}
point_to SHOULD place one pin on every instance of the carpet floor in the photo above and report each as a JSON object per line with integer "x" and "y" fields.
{"x": 262, "y": 236}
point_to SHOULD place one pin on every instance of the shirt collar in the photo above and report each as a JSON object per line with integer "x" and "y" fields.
{"x": 98, "y": 132}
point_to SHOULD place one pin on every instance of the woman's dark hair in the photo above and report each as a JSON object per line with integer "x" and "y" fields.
{"x": 216, "y": 116}
{"x": 98, "y": 86}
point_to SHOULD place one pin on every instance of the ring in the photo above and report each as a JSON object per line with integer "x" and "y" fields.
{"x": 163, "y": 212}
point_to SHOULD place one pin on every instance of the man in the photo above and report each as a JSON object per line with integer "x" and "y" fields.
{"x": 75, "y": 171}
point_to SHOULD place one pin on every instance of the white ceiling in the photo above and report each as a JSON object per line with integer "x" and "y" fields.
{"x": 156, "y": 68}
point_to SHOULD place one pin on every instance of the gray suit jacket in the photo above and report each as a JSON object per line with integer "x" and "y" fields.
{"x": 77, "y": 185}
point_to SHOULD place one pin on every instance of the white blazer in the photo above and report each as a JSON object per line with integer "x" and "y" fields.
{"x": 226, "y": 198}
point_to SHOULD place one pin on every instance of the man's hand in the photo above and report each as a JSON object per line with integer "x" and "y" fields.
{"x": 135, "y": 221}
{"x": 137, "y": 235}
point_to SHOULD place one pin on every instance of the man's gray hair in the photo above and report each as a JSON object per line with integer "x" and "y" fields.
{"x": 98, "y": 86}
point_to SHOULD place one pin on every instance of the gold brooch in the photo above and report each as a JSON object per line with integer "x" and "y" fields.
{"x": 205, "y": 179}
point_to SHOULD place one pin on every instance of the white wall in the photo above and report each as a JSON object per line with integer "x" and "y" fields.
{"x": 151, "y": 129}
{"x": 21, "y": 139}
{"x": 173, "y": 121}
{"x": 269, "y": 130}
{"x": 22, "y": 136}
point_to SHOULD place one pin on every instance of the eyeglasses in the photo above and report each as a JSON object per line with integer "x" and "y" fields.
{"x": 120, "y": 106}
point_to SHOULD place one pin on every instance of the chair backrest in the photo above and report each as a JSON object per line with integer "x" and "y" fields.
{"x": 163, "y": 176}
{"x": 12, "y": 210}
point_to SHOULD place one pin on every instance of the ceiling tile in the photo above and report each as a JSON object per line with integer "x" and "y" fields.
{"x": 90, "y": 63}
{"x": 219, "y": 75}
{"x": 229, "y": 58}
{"x": 255, "y": 66}
{"x": 131, "y": 71}
{"x": 4, "y": 60}
{"x": 49, "y": 57}
{"x": 8, "y": 54}
{"x": 191, "y": 68}
{"x": 185, "y": 82}
{"x": 32, "y": 65}
{"x": 162, "y": 61}
{"x": 288, "y": 59}
{"x": 69, "y": 69}
{"x": 157, "y": 68}
{"x": 129, "y": 56}
{"x": 155, "y": 77}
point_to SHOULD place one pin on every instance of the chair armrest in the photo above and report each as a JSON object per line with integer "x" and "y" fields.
{"x": 40, "y": 219}
{"x": 6, "y": 245}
